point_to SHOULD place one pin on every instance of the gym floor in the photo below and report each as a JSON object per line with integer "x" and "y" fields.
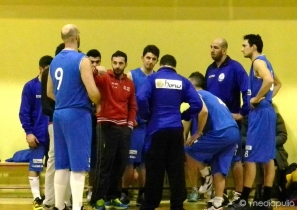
{"x": 26, "y": 204}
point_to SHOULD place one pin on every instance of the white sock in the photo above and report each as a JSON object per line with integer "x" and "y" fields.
{"x": 218, "y": 201}
{"x": 77, "y": 184}
{"x": 61, "y": 181}
{"x": 34, "y": 184}
{"x": 204, "y": 172}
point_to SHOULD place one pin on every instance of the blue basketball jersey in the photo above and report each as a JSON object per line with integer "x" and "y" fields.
{"x": 138, "y": 77}
{"x": 69, "y": 89}
{"x": 219, "y": 116}
{"x": 255, "y": 83}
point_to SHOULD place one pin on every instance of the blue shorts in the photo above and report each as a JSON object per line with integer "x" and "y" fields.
{"x": 238, "y": 152}
{"x": 217, "y": 148}
{"x": 36, "y": 157}
{"x": 260, "y": 139}
{"x": 137, "y": 145}
{"x": 72, "y": 136}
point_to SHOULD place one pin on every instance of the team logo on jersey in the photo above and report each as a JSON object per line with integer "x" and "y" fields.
{"x": 38, "y": 96}
{"x": 37, "y": 160}
{"x": 211, "y": 76}
{"x": 248, "y": 147}
{"x": 249, "y": 92}
{"x": 133, "y": 152}
{"x": 126, "y": 88}
{"x": 221, "y": 77}
{"x": 169, "y": 84}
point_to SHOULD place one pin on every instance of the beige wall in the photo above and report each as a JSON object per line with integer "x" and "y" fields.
{"x": 182, "y": 28}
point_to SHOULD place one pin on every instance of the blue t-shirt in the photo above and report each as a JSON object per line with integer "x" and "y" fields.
{"x": 69, "y": 89}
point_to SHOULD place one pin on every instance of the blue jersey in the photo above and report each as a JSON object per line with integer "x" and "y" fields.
{"x": 160, "y": 97}
{"x": 69, "y": 89}
{"x": 255, "y": 83}
{"x": 138, "y": 77}
{"x": 226, "y": 82}
{"x": 219, "y": 117}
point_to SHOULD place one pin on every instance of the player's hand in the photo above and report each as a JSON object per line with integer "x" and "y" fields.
{"x": 237, "y": 116}
{"x": 193, "y": 139}
{"x": 32, "y": 141}
{"x": 255, "y": 101}
{"x": 100, "y": 70}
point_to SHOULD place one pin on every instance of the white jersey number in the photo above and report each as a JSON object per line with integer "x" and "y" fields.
{"x": 59, "y": 76}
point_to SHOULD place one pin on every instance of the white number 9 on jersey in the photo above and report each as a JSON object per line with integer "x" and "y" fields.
{"x": 59, "y": 76}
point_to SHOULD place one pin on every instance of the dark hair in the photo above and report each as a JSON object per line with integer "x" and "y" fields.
{"x": 199, "y": 79}
{"x": 168, "y": 60}
{"x": 120, "y": 54}
{"x": 151, "y": 49}
{"x": 59, "y": 48}
{"x": 93, "y": 53}
{"x": 254, "y": 39}
{"x": 45, "y": 61}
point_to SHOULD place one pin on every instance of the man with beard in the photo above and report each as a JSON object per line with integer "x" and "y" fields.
{"x": 115, "y": 122}
{"x": 71, "y": 85}
{"x": 227, "y": 79}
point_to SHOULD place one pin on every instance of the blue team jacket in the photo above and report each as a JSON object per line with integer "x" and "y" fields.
{"x": 31, "y": 116}
{"x": 160, "y": 97}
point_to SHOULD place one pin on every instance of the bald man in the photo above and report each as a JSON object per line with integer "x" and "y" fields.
{"x": 71, "y": 85}
{"x": 227, "y": 79}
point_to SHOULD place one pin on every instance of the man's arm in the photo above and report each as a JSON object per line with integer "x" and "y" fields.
{"x": 48, "y": 105}
{"x": 88, "y": 80}
{"x": 202, "y": 118}
{"x": 132, "y": 108}
{"x": 277, "y": 85}
{"x": 25, "y": 114}
{"x": 242, "y": 83}
{"x": 50, "y": 88}
{"x": 263, "y": 72}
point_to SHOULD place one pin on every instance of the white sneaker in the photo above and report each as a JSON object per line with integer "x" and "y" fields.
{"x": 207, "y": 185}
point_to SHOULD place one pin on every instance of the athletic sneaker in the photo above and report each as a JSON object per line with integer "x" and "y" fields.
{"x": 207, "y": 183}
{"x": 99, "y": 205}
{"x": 139, "y": 199}
{"x": 193, "y": 196}
{"x": 115, "y": 203}
{"x": 212, "y": 207}
{"x": 66, "y": 208}
{"x": 236, "y": 196}
{"x": 225, "y": 201}
{"x": 125, "y": 199}
{"x": 239, "y": 204}
{"x": 37, "y": 204}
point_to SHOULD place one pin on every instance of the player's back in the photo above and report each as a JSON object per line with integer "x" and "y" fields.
{"x": 219, "y": 116}
{"x": 69, "y": 89}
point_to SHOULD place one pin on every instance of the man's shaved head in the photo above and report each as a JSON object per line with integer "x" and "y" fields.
{"x": 68, "y": 31}
{"x": 222, "y": 42}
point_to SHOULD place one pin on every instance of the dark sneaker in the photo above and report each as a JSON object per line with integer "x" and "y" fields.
{"x": 212, "y": 207}
{"x": 37, "y": 204}
{"x": 240, "y": 204}
{"x": 193, "y": 196}
{"x": 225, "y": 201}
{"x": 125, "y": 199}
{"x": 206, "y": 184}
{"x": 139, "y": 199}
